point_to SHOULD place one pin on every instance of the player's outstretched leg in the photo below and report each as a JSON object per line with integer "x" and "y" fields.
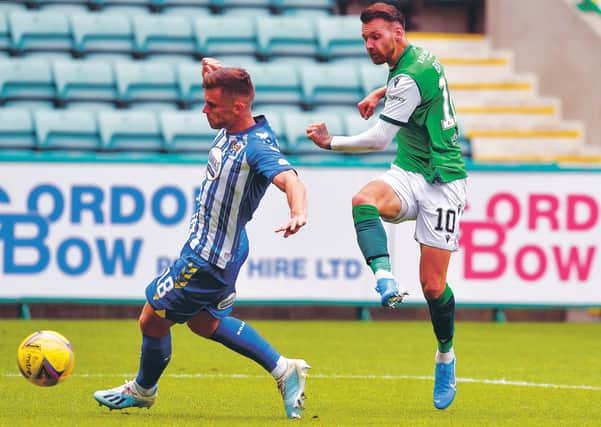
{"x": 445, "y": 386}
{"x": 292, "y": 387}
{"x": 126, "y": 396}
{"x": 391, "y": 295}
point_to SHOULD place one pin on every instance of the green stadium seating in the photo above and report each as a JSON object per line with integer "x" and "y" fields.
{"x": 84, "y": 81}
{"x": 372, "y": 76}
{"x": 275, "y": 84}
{"x": 129, "y": 131}
{"x": 330, "y": 84}
{"x": 39, "y": 31}
{"x": 66, "y": 130}
{"x": 304, "y": 7}
{"x": 5, "y": 43}
{"x": 285, "y": 36}
{"x": 163, "y": 35}
{"x": 248, "y": 7}
{"x": 16, "y": 129}
{"x": 26, "y": 79}
{"x": 190, "y": 84}
{"x": 146, "y": 81}
{"x": 186, "y": 131}
{"x": 177, "y": 6}
{"x": 225, "y": 35}
{"x": 96, "y": 32}
{"x": 295, "y": 126}
{"x": 340, "y": 37}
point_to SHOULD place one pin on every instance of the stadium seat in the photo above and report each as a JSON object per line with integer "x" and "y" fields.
{"x": 84, "y": 80}
{"x": 114, "y": 6}
{"x": 96, "y": 32}
{"x": 39, "y": 31}
{"x": 275, "y": 84}
{"x": 26, "y": 79}
{"x": 4, "y": 34}
{"x": 16, "y": 129}
{"x": 146, "y": 81}
{"x": 186, "y": 131}
{"x": 303, "y": 7}
{"x": 285, "y": 36}
{"x": 66, "y": 130}
{"x": 181, "y": 7}
{"x": 190, "y": 84}
{"x": 246, "y": 7}
{"x": 129, "y": 131}
{"x": 340, "y": 37}
{"x": 163, "y": 35}
{"x": 372, "y": 76}
{"x": 12, "y": 6}
{"x": 294, "y": 7}
{"x": 225, "y": 35}
{"x": 330, "y": 84}
{"x": 295, "y": 126}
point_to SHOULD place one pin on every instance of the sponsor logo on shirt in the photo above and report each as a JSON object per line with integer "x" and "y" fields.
{"x": 214, "y": 163}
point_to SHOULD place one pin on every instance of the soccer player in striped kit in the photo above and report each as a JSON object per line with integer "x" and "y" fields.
{"x": 199, "y": 287}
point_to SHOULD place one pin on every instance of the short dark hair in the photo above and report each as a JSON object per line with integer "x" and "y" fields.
{"x": 388, "y": 10}
{"x": 232, "y": 81}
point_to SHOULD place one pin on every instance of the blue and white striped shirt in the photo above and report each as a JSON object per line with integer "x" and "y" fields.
{"x": 240, "y": 168}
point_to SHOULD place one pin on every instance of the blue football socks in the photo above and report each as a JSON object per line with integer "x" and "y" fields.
{"x": 154, "y": 358}
{"x": 239, "y": 336}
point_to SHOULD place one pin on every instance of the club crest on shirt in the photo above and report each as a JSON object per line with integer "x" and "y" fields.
{"x": 214, "y": 163}
{"x": 235, "y": 146}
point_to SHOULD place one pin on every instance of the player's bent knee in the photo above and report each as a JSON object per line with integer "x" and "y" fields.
{"x": 152, "y": 324}
{"x": 363, "y": 198}
{"x": 433, "y": 289}
{"x": 203, "y": 324}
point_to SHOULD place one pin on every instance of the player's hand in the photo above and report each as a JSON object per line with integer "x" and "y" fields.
{"x": 368, "y": 105}
{"x": 318, "y": 133}
{"x": 209, "y": 65}
{"x": 296, "y": 223}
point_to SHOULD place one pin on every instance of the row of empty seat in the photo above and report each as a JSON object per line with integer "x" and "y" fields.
{"x": 139, "y": 131}
{"x": 313, "y": 7}
{"x": 126, "y": 83}
{"x": 145, "y": 131}
{"x": 84, "y": 34}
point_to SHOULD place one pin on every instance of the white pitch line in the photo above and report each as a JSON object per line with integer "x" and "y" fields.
{"x": 501, "y": 381}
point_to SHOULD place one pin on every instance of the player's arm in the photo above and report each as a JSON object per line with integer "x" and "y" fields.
{"x": 374, "y": 139}
{"x": 368, "y": 105}
{"x": 289, "y": 182}
{"x": 402, "y": 98}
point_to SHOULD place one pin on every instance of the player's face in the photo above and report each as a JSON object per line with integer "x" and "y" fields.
{"x": 381, "y": 37}
{"x": 221, "y": 110}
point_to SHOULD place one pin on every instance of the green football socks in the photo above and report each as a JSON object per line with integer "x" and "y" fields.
{"x": 442, "y": 314}
{"x": 371, "y": 237}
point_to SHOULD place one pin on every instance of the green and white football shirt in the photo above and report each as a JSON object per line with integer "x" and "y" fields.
{"x": 418, "y": 100}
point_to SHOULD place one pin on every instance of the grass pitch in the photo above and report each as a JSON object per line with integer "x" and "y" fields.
{"x": 364, "y": 373}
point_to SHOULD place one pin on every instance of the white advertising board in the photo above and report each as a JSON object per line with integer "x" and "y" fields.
{"x": 103, "y": 231}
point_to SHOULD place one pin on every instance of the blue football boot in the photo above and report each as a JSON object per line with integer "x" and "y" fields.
{"x": 445, "y": 386}
{"x": 125, "y": 396}
{"x": 391, "y": 295}
{"x": 292, "y": 387}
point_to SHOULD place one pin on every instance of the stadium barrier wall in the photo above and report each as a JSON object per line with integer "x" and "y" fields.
{"x": 554, "y": 40}
{"x": 99, "y": 232}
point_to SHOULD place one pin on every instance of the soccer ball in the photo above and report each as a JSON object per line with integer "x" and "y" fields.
{"x": 45, "y": 358}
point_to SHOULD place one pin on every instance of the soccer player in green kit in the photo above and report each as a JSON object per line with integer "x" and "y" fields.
{"x": 426, "y": 182}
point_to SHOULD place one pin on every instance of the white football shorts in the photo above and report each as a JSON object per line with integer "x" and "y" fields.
{"x": 436, "y": 208}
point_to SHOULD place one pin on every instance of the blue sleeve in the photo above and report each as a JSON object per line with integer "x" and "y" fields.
{"x": 265, "y": 157}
